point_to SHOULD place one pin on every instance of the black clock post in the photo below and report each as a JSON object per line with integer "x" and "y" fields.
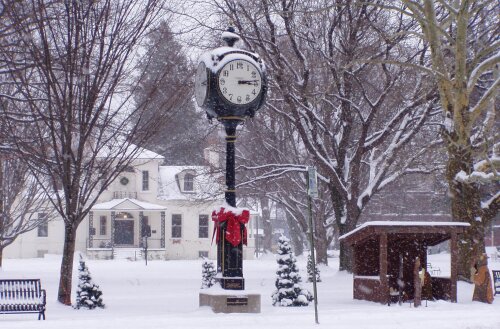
{"x": 231, "y": 86}
{"x": 229, "y": 257}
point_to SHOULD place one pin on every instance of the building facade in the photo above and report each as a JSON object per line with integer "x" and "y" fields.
{"x": 164, "y": 208}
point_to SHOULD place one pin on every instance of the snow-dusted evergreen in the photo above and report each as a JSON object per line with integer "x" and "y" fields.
{"x": 288, "y": 291}
{"x": 88, "y": 294}
{"x": 208, "y": 273}
{"x": 312, "y": 271}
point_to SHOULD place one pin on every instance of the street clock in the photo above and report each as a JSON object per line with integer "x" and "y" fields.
{"x": 230, "y": 82}
{"x": 230, "y": 85}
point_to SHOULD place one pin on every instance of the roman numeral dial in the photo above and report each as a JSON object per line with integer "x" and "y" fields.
{"x": 239, "y": 82}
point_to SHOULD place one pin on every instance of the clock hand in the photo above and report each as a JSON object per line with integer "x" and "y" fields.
{"x": 247, "y": 82}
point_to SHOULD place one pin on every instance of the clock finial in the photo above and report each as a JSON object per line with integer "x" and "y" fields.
{"x": 230, "y": 37}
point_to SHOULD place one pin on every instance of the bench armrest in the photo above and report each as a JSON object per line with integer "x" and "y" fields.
{"x": 43, "y": 296}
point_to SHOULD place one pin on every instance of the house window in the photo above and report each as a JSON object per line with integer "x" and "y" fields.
{"x": 145, "y": 180}
{"x": 203, "y": 226}
{"x": 43, "y": 225}
{"x": 176, "y": 226}
{"x": 203, "y": 254}
{"x": 188, "y": 182}
{"x": 103, "y": 221}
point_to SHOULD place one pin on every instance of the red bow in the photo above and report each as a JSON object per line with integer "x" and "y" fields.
{"x": 233, "y": 225}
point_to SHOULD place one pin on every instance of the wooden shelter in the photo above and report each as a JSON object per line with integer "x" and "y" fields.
{"x": 384, "y": 256}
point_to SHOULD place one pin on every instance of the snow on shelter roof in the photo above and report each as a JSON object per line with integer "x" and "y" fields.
{"x": 403, "y": 224}
{"x": 127, "y": 204}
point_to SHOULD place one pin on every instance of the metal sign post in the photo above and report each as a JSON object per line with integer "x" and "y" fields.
{"x": 312, "y": 191}
{"x": 312, "y": 182}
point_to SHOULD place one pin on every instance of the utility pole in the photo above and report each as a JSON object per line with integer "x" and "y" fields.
{"x": 312, "y": 191}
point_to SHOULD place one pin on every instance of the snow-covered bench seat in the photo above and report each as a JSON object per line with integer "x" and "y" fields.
{"x": 22, "y": 296}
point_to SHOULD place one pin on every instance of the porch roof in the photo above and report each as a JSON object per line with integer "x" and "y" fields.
{"x": 127, "y": 204}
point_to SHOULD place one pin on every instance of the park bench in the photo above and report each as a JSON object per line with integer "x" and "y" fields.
{"x": 496, "y": 281}
{"x": 22, "y": 296}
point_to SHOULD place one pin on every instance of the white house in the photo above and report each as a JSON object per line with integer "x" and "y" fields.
{"x": 173, "y": 203}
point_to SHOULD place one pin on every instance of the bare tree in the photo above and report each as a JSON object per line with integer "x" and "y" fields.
{"x": 273, "y": 165}
{"x": 265, "y": 140}
{"x": 23, "y": 206}
{"x": 21, "y": 202}
{"x": 331, "y": 79}
{"x": 465, "y": 54}
{"x": 73, "y": 69}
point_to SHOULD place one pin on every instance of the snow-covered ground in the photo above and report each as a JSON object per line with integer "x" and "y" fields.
{"x": 165, "y": 295}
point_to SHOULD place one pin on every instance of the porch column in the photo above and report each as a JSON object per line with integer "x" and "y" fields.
{"x": 162, "y": 241}
{"x": 384, "y": 284}
{"x": 112, "y": 229}
{"x": 141, "y": 229}
{"x": 453, "y": 266}
{"x": 91, "y": 229}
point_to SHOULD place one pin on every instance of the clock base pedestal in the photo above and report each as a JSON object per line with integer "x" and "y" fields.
{"x": 227, "y": 302}
{"x": 232, "y": 283}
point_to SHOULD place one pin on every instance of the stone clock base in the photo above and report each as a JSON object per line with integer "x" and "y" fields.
{"x": 221, "y": 301}
{"x": 230, "y": 283}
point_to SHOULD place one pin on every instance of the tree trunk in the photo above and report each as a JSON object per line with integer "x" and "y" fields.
{"x": 345, "y": 255}
{"x": 465, "y": 206}
{"x": 296, "y": 235}
{"x": 65, "y": 281}
{"x": 346, "y": 221}
{"x": 321, "y": 241}
{"x": 1, "y": 256}
{"x": 266, "y": 223}
{"x": 321, "y": 248}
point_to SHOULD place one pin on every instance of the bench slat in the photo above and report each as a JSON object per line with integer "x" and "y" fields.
{"x": 22, "y": 296}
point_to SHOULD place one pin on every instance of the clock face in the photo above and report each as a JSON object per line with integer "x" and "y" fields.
{"x": 239, "y": 82}
{"x": 201, "y": 84}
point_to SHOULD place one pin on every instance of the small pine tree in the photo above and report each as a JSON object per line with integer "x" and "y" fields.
{"x": 208, "y": 274}
{"x": 311, "y": 271}
{"x": 88, "y": 294}
{"x": 288, "y": 289}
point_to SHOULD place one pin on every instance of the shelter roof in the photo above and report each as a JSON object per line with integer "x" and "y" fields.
{"x": 430, "y": 233}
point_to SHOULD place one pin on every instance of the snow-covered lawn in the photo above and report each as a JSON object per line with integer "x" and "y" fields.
{"x": 165, "y": 295}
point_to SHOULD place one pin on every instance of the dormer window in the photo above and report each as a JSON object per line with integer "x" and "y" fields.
{"x": 188, "y": 182}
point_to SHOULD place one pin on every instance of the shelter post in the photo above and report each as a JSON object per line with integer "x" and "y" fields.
{"x": 384, "y": 285}
{"x": 453, "y": 266}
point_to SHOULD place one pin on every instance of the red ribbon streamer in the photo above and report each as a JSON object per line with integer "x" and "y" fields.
{"x": 233, "y": 225}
